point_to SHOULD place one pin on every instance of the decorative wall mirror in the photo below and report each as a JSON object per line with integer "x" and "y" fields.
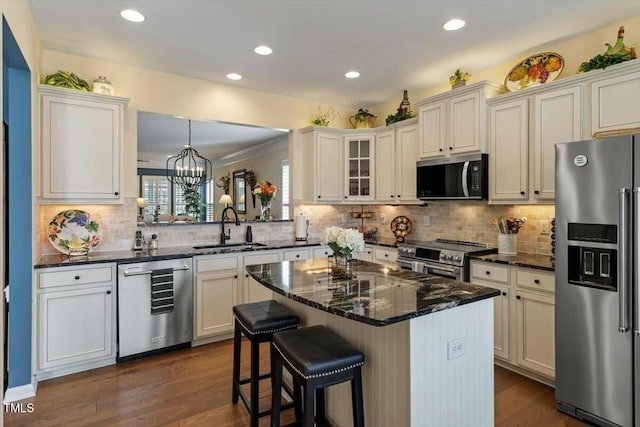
{"x": 239, "y": 191}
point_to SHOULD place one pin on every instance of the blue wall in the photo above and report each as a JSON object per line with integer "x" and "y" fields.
{"x": 16, "y": 98}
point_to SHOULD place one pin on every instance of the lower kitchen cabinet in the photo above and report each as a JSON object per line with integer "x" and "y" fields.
{"x": 252, "y": 291}
{"x": 76, "y": 319}
{"x": 296, "y": 254}
{"x": 536, "y": 337}
{"x": 365, "y": 255}
{"x": 524, "y": 331}
{"x": 385, "y": 256}
{"x": 216, "y": 280}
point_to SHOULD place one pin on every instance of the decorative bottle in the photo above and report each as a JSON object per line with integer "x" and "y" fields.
{"x": 405, "y": 105}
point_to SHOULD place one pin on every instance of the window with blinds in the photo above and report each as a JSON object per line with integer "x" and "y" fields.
{"x": 156, "y": 191}
{"x": 285, "y": 189}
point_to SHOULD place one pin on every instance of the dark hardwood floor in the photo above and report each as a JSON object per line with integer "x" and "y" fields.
{"x": 192, "y": 387}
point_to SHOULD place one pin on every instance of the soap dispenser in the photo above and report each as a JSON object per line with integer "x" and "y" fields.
{"x": 249, "y": 236}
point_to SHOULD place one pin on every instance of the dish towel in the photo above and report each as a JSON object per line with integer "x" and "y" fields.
{"x": 162, "y": 291}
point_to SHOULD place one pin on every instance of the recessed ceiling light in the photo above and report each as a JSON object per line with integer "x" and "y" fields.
{"x": 234, "y": 76}
{"x": 132, "y": 15}
{"x": 454, "y": 24}
{"x": 352, "y": 75}
{"x": 263, "y": 50}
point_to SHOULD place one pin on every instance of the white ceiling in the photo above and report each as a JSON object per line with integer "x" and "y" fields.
{"x": 395, "y": 45}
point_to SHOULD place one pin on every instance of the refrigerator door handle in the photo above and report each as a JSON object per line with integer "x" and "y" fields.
{"x": 623, "y": 304}
{"x": 636, "y": 251}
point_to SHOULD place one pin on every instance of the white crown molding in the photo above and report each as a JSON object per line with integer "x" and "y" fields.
{"x": 275, "y": 144}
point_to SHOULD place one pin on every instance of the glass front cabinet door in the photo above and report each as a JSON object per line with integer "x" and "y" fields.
{"x": 359, "y": 173}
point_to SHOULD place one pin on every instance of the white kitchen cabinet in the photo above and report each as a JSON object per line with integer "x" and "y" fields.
{"x": 360, "y": 158}
{"x": 497, "y": 277}
{"x": 252, "y": 290}
{"x": 81, "y": 145}
{"x": 395, "y": 170}
{"x": 615, "y": 103}
{"x": 508, "y": 150}
{"x": 365, "y": 255}
{"x": 295, "y": 254}
{"x": 329, "y": 168}
{"x": 524, "y": 335}
{"x": 76, "y": 319}
{"x": 385, "y": 256}
{"x": 322, "y": 252}
{"x": 216, "y": 292}
{"x": 524, "y": 172}
{"x": 557, "y": 118}
{"x": 536, "y": 332}
{"x": 432, "y": 129}
{"x": 455, "y": 122}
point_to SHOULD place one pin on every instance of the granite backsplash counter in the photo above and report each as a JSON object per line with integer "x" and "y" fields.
{"x": 162, "y": 253}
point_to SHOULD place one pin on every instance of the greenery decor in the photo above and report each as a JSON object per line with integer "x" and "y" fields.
{"x": 323, "y": 119}
{"x": 459, "y": 79}
{"x": 192, "y": 202}
{"x": 614, "y": 55}
{"x": 398, "y": 117}
{"x": 224, "y": 182}
{"x": 66, "y": 79}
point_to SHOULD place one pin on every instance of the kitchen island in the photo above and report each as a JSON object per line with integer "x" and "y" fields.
{"x": 427, "y": 340}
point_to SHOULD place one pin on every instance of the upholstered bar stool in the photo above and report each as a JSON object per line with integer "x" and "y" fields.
{"x": 317, "y": 358}
{"x": 257, "y": 321}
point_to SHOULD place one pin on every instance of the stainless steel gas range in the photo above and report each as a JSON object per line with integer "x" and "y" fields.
{"x": 443, "y": 257}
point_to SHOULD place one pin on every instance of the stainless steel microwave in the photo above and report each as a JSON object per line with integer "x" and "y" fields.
{"x": 457, "y": 177}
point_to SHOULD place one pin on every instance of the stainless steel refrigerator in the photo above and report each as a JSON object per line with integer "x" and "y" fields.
{"x": 597, "y": 297}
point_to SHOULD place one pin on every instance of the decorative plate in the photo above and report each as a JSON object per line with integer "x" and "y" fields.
{"x": 401, "y": 227}
{"x": 534, "y": 71}
{"x": 73, "y": 232}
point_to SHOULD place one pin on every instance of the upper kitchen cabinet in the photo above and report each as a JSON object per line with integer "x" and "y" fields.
{"x": 336, "y": 165}
{"x": 524, "y": 128}
{"x": 322, "y": 165}
{"x": 615, "y": 100}
{"x": 395, "y": 171}
{"x": 82, "y": 143}
{"x": 359, "y": 154}
{"x": 454, "y": 122}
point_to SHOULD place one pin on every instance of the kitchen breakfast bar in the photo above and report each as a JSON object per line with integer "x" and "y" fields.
{"x": 427, "y": 340}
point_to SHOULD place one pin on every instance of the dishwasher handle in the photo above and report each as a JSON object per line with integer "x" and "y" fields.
{"x": 128, "y": 273}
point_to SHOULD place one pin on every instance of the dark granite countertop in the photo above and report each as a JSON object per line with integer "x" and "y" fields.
{"x": 540, "y": 262}
{"x": 129, "y": 256}
{"x": 382, "y": 241}
{"x": 377, "y": 295}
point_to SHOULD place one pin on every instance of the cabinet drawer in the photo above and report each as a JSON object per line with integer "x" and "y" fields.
{"x": 385, "y": 255}
{"x": 261, "y": 259}
{"x": 535, "y": 280}
{"x": 296, "y": 255}
{"x": 322, "y": 252}
{"x": 212, "y": 264}
{"x": 75, "y": 277}
{"x": 493, "y": 272}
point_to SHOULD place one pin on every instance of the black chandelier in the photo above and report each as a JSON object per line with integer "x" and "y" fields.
{"x": 189, "y": 169}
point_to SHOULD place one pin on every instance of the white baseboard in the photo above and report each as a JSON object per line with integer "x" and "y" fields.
{"x": 525, "y": 373}
{"x": 209, "y": 340}
{"x": 26, "y": 391}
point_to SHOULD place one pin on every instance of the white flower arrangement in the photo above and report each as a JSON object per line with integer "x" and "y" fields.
{"x": 343, "y": 241}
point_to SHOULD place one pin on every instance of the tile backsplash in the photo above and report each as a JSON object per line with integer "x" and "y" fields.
{"x": 463, "y": 220}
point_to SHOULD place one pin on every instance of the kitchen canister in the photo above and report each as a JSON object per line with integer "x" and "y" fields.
{"x": 103, "y": 86}
{"x": 507, "y": 244}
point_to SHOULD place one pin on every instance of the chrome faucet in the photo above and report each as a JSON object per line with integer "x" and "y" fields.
{"x": 224, "y": 237}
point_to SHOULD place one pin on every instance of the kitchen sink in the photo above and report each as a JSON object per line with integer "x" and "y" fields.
{"x": 232, "y": 246}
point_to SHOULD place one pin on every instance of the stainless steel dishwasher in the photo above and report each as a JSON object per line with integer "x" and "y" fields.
{"x": 155, "y": 306}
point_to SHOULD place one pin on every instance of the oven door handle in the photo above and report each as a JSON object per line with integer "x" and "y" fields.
{"x": 441, "y": 270}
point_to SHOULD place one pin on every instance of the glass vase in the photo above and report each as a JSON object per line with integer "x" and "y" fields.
{"x": 265, "y": 210}
{"x": 341, "y": 266}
